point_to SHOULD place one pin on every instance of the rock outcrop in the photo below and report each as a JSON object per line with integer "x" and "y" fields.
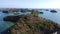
{"x": 40, "y": 12}
{"x": 11, "y": 18}
{"x": 53, "y": 11}
{"x": 5, "y": 11}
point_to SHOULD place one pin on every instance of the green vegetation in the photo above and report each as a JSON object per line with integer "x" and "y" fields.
{"x": 32, "y": 24}
{"x": 35, "y": 13}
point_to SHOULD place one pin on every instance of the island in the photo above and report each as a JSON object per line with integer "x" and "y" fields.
{"x": 53, "y": 11}
{"x": 31, "y": 24}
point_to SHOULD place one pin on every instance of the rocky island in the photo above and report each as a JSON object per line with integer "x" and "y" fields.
{"x": 31, "y": 24}
{"x": 53, "y": 11}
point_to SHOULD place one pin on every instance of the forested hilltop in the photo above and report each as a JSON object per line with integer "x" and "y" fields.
{"x": 33, "y": 24}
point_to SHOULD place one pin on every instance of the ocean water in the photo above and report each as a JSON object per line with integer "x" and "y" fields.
{"x": 51, "y": 16}
{"x": 4, "y": 24}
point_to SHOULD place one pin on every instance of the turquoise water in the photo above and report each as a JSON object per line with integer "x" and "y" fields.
{"x": 4, "y": 24}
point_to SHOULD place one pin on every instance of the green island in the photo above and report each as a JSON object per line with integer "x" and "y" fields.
{"x": 32, "y": 24}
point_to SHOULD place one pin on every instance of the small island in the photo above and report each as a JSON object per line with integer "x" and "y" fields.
{"x": 53, "y": 11}
{"x": 40, "y": 12}
{"x": 5, "y": 11}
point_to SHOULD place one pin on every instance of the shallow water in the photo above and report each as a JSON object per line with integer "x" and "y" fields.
{"x": 4, "y": 24}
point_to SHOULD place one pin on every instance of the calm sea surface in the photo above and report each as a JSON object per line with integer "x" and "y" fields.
{"x": 52, "y": 16}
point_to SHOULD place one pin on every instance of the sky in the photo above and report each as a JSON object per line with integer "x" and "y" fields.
{"x": 29, "y": 3}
